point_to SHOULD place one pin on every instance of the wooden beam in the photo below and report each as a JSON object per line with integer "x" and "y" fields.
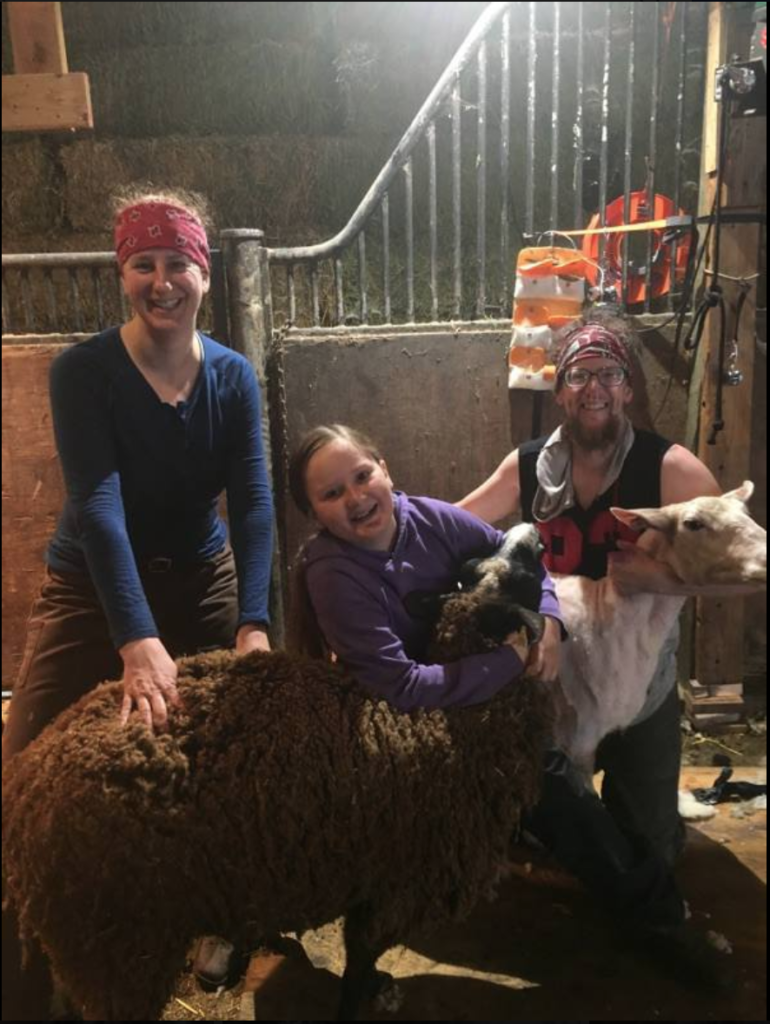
{"x": 37, "y": 38}
{"x": 719, "y": 625}
{"x": 46, "y": 102}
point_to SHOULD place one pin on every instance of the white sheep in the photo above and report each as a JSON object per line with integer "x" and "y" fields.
{"x": 615, "y": 641}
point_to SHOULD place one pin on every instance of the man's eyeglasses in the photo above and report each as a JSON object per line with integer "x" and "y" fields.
{"x": 609, "y": 376}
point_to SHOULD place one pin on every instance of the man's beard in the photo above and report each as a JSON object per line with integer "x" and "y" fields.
{"x": 592, "y": 439}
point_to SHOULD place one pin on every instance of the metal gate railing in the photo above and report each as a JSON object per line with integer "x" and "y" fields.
{"x": 594, "y": 76}
{"x": 546, "y": 112}
{"x": 81, "y": 293}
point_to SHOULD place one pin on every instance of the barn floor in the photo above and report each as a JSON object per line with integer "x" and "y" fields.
{"x": 542, "y": 951}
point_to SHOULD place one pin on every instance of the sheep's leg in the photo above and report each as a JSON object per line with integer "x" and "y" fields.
{"x": 360, "y": 981}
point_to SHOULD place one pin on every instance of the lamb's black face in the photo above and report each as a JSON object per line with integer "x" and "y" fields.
{"x": 510, "y": 582}
{"x": 516, "y": 567}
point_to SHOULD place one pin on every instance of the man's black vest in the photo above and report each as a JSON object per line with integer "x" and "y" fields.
{"x": 578, "y": 541}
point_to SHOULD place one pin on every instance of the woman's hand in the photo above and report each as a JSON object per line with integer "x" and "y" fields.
{"x": 149, "y": 682}
{"x": 251, "y": 637}
{"x": 543, "y": 661}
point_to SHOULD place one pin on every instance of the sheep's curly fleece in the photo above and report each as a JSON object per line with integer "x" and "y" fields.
{"x": 280, "y": 798}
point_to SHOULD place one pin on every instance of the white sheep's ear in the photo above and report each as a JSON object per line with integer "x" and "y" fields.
{"x": 742, "y": 493}
{"x": 643, "y": 518}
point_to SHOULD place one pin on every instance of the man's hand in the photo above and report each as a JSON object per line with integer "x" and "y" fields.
{"x": 543, "y": 661}
{"x": 633, "y": 571}
{"x": 149, "y": 682}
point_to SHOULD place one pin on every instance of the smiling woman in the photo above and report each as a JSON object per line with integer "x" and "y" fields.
{"x": 153, "y": 421}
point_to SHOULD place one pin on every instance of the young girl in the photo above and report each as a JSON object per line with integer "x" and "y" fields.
{"x": 375, "y": 547}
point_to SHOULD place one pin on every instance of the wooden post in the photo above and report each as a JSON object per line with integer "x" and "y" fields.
{"x": 37, "y": 38}
{"x": 715, "y": 696}
{"x": 42, "y": 95}
{"x": 251, "y": 333}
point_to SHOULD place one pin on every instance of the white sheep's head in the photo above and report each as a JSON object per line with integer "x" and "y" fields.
{"x": 710, "y": 540}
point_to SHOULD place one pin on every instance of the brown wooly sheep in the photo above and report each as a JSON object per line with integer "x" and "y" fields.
{"x": 282, "y": 797}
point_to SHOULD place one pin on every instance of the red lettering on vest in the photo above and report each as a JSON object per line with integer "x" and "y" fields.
{"x": 564, "y": 540}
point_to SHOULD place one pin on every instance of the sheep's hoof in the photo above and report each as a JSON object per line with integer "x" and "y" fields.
{"x": 217, "y": 963}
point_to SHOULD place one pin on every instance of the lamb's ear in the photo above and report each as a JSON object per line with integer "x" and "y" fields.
{"x": 534, "y": 623}
{"x": 742, "y": 493}
{"x": 425, "y": 604}
{"x": 643, "y": 518}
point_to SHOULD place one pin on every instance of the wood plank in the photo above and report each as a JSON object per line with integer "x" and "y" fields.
{"x": 720, "y": 624}
{"x": 715, "y": 52}
{"x": 46, "y": 102}
{"x": 33, "y": 489}
{"x": 37, "y": 38}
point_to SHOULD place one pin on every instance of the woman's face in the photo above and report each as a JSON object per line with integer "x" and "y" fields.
{"x": 165, "y": 288}
{"x": 351, "y": 495}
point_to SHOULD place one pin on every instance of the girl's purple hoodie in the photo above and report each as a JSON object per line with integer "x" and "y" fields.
{"x": 358, "y": 596}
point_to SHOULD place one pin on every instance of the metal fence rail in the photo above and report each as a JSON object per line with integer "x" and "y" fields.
{"x": 81, "y": 293}
{"x": 546, "y": 113}
{"x": 435, "y": 236}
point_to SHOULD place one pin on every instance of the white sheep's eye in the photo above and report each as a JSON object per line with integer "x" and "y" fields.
{"x": 694, "y": 524}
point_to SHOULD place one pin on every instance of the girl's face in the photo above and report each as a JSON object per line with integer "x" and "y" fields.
{"x": 351, "y": 495}
{"x": 165, "y": 288}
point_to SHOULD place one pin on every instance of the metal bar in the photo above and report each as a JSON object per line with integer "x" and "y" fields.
{"x": 529, "y": 215}
{"x": 537, "y": 402}
{"x": 6, "y": 308}
{"x": 505, "y": 162}
{"x": 430, "y": 108}
{"x": 291, "y": 291}
{"x": 50, "y": 295}
{"x": 679, "y": 138}
{"x": 220, "y": 326}
{"x": 554, "y": 221}
{"x": 652, "y": 154}
{"x": 363, "y": 304}
{"x": 481, "y": 183}
{"x": 77, "y": 312}
{"x": 339, "y": 298}
{"x": 59, "y": 259}
{"x": 314, "y": 294}
{"x": 578, "y": 128}
{"x": 385, "y": 205}
{"x": 604, "y": 143}
{"x": 456, "y": 210}
{"x": 433, "y": 221}
{"x": 124, "y": 308}
{"x": 27, "y": 304}
{"x": 99, "y": 300}
{"x": 628, "y": 145}
{"x": 409, "y": 226}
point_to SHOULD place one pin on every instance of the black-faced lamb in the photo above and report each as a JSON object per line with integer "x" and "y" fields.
{"x": 281, "y": 797}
